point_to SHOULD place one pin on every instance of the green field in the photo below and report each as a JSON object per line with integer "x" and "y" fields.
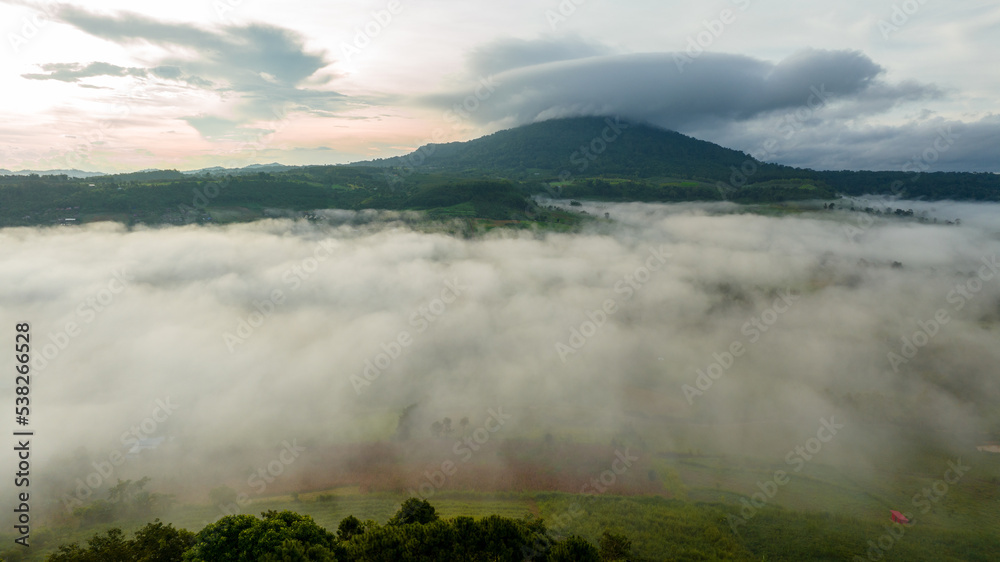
{"x": 825, "y": 513}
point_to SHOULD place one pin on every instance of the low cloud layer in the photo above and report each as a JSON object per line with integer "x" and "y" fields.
{"x": 193, "y": 315}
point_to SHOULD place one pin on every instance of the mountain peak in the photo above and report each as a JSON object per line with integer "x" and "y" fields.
{"x": 576, "y": 147}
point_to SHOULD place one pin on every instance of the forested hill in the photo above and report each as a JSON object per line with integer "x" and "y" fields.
{"x": 604, "y": 147}
{"x": 584, "y": 146}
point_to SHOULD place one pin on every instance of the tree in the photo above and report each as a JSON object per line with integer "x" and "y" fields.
{"x": 220, "y": 541}
{"x": 405, "y": 425}
{"x": 126, "y": 499}
{"x": 415, "y": 532}
{"x": 614, "y": 547}
{"x": 276, "y": 536}
{"x": 414, "y": 510}
{"x": 155, "y": 542}
{"x": 111, "y": 547}
{"x": 574, "y": 549}
{"x": 349, "y": 527}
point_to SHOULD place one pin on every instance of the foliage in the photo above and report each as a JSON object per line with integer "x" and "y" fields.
{"x": 349, "y": 528}
{"x": 574, "y": 549}
{"x": 278, "y": 535}
{"x": 415, "y": 532}
{"x": 414, "y": 510}
{"x": 615, "y": 547}
{"x": 623, "y": 528}
{"x": 155, "y": 542}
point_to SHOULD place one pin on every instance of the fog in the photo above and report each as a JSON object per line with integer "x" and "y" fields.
{"x": 228, "y": 341}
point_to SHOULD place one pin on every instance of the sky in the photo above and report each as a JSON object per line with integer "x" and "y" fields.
{"x": 114, "y": 86}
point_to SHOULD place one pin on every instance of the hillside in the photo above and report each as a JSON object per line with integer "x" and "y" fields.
{"x": 584, "y": 146}
{"x": 490, "y": 178}
{"x": 587, "y": 148}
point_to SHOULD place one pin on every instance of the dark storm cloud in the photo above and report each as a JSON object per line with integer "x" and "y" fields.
{"x": 267, "y": 66}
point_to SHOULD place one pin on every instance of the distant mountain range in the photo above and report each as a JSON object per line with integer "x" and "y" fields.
{"x": 214, "y": 170}
{"x": 253, "y": 168}
{"x": 71, "y": 173}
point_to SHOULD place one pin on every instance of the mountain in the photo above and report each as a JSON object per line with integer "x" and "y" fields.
{"x": 604, "y": 158}
{"x": 577, "y": 147}
{"x": 152, "y": 172}
{"x": 251, "y": 169}
{"x": 70, "y": 173}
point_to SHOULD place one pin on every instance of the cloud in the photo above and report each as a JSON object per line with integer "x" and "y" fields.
{"x": 656, "y": 88}
{"x": 73, "y": 72}
{"x": 343, "y": 300}
{"x": 265, "y": 70}
{"x": 510, "y": 53}
{"x": 172, "y": 72}
{"x": 811, "y": 104}
{"x": 929, "y": 143}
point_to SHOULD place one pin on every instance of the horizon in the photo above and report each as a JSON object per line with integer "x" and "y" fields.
{"x": 363, "y": 162}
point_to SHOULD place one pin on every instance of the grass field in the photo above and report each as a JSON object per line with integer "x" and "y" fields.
{"x": 825, "y": 513}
